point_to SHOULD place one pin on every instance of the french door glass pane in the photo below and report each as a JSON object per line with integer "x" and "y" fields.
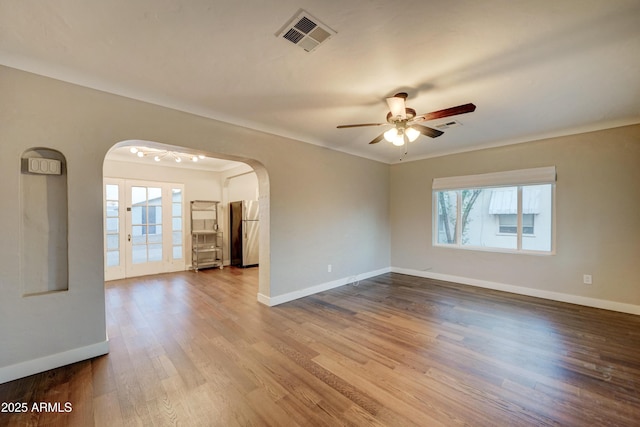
{"x": 139, "y": 235}
{"x": 155, "y": 196}
{"x": 113, "y": 258}
{"x": 177, "y": 238}
{"x": 155, "y": 252}
{"x": 138, "y": 195}
{"x": 112, "y": 241}
{"x": 176, "y": 223}
{"x": 146, "y": 217}
{"x": 154, "y": 215}
{"x": 138, "y": 214}
{"x": 139, "y": 254}
{"x": 177, "y": 252}
{"x": 112, "y": 225}
{"x": 155, "y": 237}
{"x": 111, "y": 192}
{"x": 112, "y": 208}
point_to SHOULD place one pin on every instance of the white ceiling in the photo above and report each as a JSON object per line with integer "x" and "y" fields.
{"x": 533, "y": 68}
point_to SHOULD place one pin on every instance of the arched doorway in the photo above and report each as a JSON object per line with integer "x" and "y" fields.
{"x": 179, "y": 174}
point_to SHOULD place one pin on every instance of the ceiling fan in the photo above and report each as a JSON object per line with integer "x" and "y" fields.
{"x": 404, "y": 121}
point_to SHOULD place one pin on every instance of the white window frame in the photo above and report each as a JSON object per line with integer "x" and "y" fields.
{"x": 515, "y": 178}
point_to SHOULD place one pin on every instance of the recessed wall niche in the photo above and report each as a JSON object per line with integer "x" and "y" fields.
{"x": 44, "y": 259}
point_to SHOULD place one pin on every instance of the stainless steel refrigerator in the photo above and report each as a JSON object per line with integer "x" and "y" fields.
{"x": 243, "y": 233}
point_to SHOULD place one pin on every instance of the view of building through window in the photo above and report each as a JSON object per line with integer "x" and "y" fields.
{"x": 487, "y": 217}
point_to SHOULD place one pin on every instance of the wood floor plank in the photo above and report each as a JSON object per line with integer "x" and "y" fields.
{"x": 197, "y": 349}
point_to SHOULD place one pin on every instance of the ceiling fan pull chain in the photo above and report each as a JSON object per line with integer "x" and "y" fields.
{"x": 406, "y": 150}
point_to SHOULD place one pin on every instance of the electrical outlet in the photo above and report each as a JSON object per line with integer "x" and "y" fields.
{"x": 587, "y": 279}
{"x": 329, "y": 268}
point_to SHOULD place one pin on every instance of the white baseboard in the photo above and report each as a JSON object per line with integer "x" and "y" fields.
{"x": 539, "y": 293}
{"x": 35, "y": 366}
{"x": 281, "y": 299}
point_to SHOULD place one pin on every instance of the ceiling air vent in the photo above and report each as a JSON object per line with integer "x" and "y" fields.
{"x": 448, "y": 125}
{"x": 305, "y": 31}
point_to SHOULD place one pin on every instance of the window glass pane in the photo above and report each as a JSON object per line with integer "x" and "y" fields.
{"x": 155, "y": 215}
{"x": 113, "y": 258}
{"x": 111, "y": 192}
{"x": 138, "y": 195}
{"x": 155, "y": 196}
{"x": 177, "y": 224}
{"x": 155, "y": 252}
{"x": 538, "y": 220}
{"x": 113, "y": 241}
{"x": 479, "y": 226}
{"x": 155, "y": 237}
{"x": 176, "y": 194}
{"x": 112, "y": 225}
{"x": 177, "y": 252}
{"x": 528, "y": 223}
{"x": 176, "y": 209}
{"x": 508, "y": 223}
{"x": 447, "y": 208}
{"x": 177, "y": 238}
{"x": 139, "y": 254}
{"x": 112, "y": 208}
{"x": 139, "y": 234}
{"x": 138, "y": 214}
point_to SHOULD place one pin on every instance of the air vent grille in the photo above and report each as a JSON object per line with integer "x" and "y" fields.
{"x": 448, "y": 125}
{"x": 293, "y": 36}
{"x": 306, "y": 25}
{"x": 305, "y": 31}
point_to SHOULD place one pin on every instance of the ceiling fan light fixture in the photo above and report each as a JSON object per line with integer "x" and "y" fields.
{"x": 412, "y": 134}
{"x": 391, "y": 134}
{"x": 399, "y": 140}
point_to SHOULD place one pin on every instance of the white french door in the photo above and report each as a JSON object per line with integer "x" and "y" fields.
{"x": 144, "y": 228}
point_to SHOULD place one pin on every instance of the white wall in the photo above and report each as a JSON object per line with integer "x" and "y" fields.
{"x": 199, "y": 184}
{"x": 324, "y": 207}
{"x": 242, "y": 187}
{"x": 597, "y": 206}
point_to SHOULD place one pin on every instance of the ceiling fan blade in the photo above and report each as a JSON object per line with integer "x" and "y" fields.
{"x": 377, "y": 139}
{"x": 453, "y": 111}
{"x": 430, "y": 132}
{"x": 397, "y": 105}
{"x": 361, "y": 125}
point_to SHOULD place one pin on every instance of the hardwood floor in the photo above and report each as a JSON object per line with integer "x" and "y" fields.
{"x": 198, "y": 350}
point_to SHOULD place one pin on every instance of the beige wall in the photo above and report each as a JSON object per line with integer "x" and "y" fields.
{"x": 597, "y": 208}
{"x": 325, "y": 207}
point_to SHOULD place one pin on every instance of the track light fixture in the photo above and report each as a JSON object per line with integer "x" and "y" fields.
{"x": 159, "y": 155}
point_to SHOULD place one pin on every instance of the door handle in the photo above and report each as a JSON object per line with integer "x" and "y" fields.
{"x": 129, "y": 237}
